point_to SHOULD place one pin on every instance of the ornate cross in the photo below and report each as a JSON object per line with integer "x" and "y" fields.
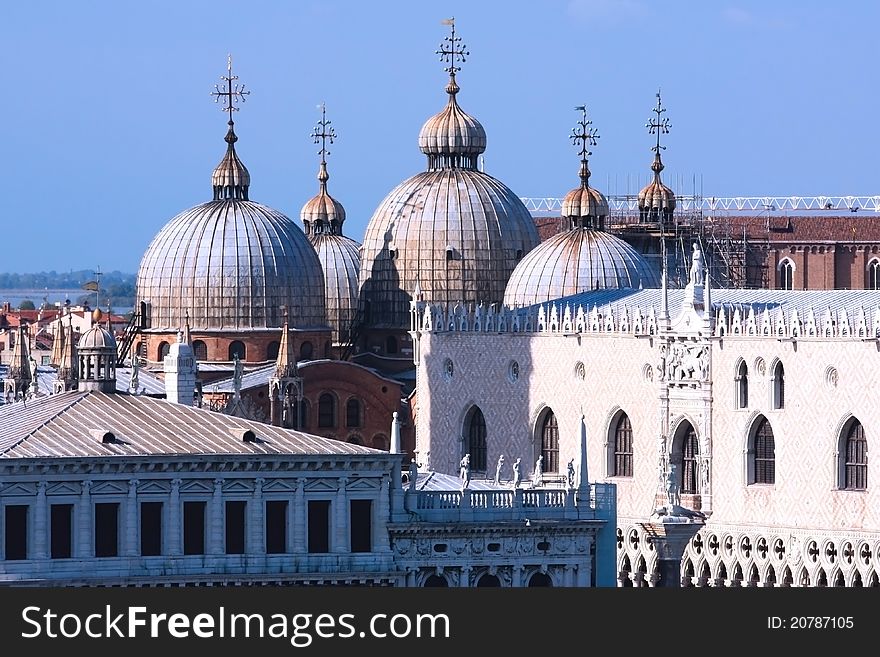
{"x": 658, "y": 126}
{"x": 584, "y": 135}
{"x": 232, "y": 93}
{"x": 323, "y": 133}
{"x": 451, "y": 49}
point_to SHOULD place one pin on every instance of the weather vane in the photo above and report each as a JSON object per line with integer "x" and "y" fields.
{"x": 451, "y": 49}
{"x": 323, "y": 133}
{"x": 583, "y": 135}
{"x": 658, "y": 126}
{"x": 232, "y": 93}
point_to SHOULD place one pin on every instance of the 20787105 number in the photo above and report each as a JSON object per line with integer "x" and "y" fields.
{"x": 820, "y": 622}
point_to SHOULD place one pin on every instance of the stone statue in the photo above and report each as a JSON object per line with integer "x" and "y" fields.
{"x": 570, "y": 474}
{"x": 498, "y": 467}
{"x": 135, "y": 367}
{"x": 413, "y": 474}
{"x": 34, "y": 382}
{"x": 704, "y": 473}
{"x": 538, "y": 476}
{"x": 673, "y": 495}
{"x": 517, "y": 473}
{"x": 661, "y": 364}
{"x": 465, "y": 471}
{"x": 237, "y": 371}
{"x": 697, "y": 266}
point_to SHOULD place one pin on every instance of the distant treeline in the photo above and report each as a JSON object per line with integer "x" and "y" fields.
{"x": 115, "y": 285}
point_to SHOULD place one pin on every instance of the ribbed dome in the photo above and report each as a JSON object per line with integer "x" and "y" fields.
{"x": 340, "y": 258}
{"x": 453, "y": 131}
{"x": 231, "y": 178}
{"x": 322, "y": 213}
{"x": 97, "y": 337}
{"x": 231, "y": 264}
{"x": 584, "y": 201}
{"x": 578, "y": 260}
{"x": 656, "y": 198}
{"x": 456, "y": 233}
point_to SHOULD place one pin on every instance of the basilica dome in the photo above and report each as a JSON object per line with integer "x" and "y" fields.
{"x": 231, "y": 263}
{"x": 585, "y": 257}
{"x": 453, "y": 231}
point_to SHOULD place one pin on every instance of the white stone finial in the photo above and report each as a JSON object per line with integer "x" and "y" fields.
{"x": 395, "y": 434}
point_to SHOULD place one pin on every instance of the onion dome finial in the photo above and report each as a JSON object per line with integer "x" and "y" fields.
{"x": 584, "y": 206}
{"x": 656, "y": 200}
{"x": 323, "y": 213}
{"x": 231, "y": 178}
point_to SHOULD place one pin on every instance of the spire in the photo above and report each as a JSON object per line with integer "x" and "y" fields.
{"x": 583, "y": 206}
{"x": 656, "y": 201}
{"x": 19, "y": 376}
{"x": 58, "y": 344}
{"x": 285, "y": 364}
{"x": 68, "y": 371}
{"x": 231, "y": 178}
{"x": 583, "y": 472}
{"x": 322, "y": 213}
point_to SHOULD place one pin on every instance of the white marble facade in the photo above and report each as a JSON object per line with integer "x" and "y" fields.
{"x": 816, "y": 520}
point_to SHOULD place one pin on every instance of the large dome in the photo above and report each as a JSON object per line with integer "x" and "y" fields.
{"x": 456, "y": 233}
{"x": 231, "y": 264}
{"x": 340, "y": 258}
{"x": 575, "y": 261}
{"x": 453, "y": 231}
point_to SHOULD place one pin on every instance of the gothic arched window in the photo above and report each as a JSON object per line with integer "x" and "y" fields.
{"x": 786, "y": 275}
{"x": 326, "y": 411}
{"x": 623, "y": 447}
{"x": 856, "y": 454}
{"x": 550, "y": 443}
{"x": 764, "y": 453}
{"x": 476, "y": 439}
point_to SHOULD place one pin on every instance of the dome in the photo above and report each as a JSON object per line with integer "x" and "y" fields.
{"x": 97, "y": 337}
{"x": 322, "y": 213}
{"x": 584, "y": 201}
{"x": 456, "y": 233}
{"x": 340, "y": 258}
{"x": 231, "y": 264}
{"x": 578, "y": 260}
{"x": 656, "y": 200}
{"x": 452, "y": 133}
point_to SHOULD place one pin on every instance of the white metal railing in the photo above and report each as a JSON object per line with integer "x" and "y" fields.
{"x": 620, "y": 203}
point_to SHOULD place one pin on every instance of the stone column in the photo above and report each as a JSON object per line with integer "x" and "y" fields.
{"x": 257, "y": 530}
{"x": 298, "y": 526}
{"x": 215, "y": 540}
{"x": 84, "y": 523}
{"x": 41, "y": 525}
{"x": 340, "y": 518}
{"x": 516, "y": 576}
{"x": 130, "y": 548}
{"x": 382, "y": 516}
{"x": 172, "y": 524}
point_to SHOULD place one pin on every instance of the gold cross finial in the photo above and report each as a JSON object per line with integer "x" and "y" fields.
{"x": 231, "y": 93}
{"x": 659, "y": 125}
{"x": 323, "y": 133}
{"x": 583, "y": 135}
{"x": 451, "y": 49}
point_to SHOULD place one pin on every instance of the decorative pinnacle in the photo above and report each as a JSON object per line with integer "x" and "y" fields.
{"x": 232, "y": 94}
{"x": 451, "y": 49}
{"x": 658, "y": 126}
{"x": 583, "y": 136}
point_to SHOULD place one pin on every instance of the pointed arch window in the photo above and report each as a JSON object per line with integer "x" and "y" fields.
{"x": 873, "y": 275}
{"x": 786, "y": 275}
{"x": 353, "y": 413}
{"x": 778, "y": 388}
{"x": 856, "y": 454}
{"x": 690, "y": 451}
{"x": 476, "y": 439}
{"x": 764, "y": 453}
{"x": 550, "y": 443}
{"x": 623, "y": 447}
{"x": 742, "y": 385}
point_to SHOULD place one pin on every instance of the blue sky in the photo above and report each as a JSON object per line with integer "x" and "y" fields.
{"x": 109, "y": 129}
